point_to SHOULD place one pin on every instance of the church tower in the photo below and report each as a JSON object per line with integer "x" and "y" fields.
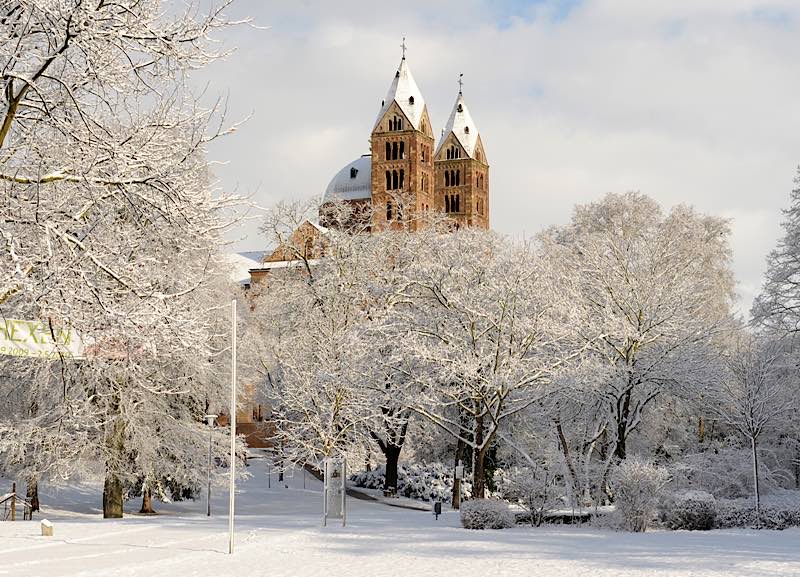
{"x": 402, "y": 153}
{"x": 462, "y": 172}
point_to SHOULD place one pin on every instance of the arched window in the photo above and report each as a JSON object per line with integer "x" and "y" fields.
{"x": 422, "y": 152}
{"x": 446, "y": 178}
{"x": 394, "y": 151}
{"x": 402, "y": 149}
{"x": 458, "y": 177}
{"x": 402, "y": 178}
{"x": 388, "y": 180}
{"x": 411, "y": 100}
{"x": 394, "y": 180}
{"x": 389, "y": 210}
{"x": 388, "y": 151}
{"x": 447, "y": 154}
{"x": 446, "y": 203}
{"x": 466, "y": 130}
{"x": 458, "y": 202}
{"x": 353, "y": 172}
{"x": 452, "y": 178}
{"x": 460, "y": 108}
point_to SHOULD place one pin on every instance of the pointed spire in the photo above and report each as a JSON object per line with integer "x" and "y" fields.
{"x": 461, "y": 125}
{"x": 405, "y": 92}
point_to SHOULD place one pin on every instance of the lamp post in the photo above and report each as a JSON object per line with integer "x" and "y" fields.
{"x": 210, "y": 420}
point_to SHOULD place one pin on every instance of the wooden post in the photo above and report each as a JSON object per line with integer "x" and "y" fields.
{"x": 13, "y": 501}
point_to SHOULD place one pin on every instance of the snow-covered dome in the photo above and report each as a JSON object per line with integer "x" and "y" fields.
{"x": 353, "y": 182}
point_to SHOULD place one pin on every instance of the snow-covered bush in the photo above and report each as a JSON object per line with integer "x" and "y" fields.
{"x": 637, "y": 486}
{"x": 777, "y": 512}
{"x": 727, "y": 473}
{"x": 486, "y": 514}
{"x": 535, "y": 491}
{"x": 691, "y": 510}
{"x": 433, "y": 482}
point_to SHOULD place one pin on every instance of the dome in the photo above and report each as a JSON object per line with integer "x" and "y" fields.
{"x": 353, "y": 182}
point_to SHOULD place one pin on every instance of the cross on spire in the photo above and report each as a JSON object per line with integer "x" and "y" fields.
{"x": 403, "y": 46}
{"x": 460, "y": 83}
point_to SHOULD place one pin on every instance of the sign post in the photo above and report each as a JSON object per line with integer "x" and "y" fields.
{"x": 334, "y": 491}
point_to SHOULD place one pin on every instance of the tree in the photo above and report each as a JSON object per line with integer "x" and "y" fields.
{"x": 109, "y": 226}
{"x": 488, "y": 325}
{"x": 777, "y": 307}
{"x": 658, "y": 287}
{"x": 755, "y": 391}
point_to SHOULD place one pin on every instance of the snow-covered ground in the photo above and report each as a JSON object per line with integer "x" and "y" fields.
{"x": 278, "y": 533}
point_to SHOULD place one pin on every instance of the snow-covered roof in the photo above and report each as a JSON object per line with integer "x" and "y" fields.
{"x": 353, "y": 182}
{"x": 403, "y": 88}
{"x": 462, "y": 126}
{"x": 240, "y": 265}
{"x": 283, "y": 264}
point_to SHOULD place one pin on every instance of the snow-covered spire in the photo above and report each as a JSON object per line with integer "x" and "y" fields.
{"x": 461, "y": 125}
{"x": 406, "y": 93}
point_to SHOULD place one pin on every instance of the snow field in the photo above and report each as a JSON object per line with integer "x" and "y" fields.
{"x": 279, "y": 533}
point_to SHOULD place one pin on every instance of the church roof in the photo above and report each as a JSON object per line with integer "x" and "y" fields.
{"x": 406, "y": 93}
{"x": 353, "y": 182}
{"x": 462, "y": 126}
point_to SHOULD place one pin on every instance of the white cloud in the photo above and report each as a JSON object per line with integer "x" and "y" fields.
{"x": 688, "y": 102}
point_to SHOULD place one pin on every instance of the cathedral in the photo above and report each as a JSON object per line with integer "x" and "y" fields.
{"x": 407, "y": 172}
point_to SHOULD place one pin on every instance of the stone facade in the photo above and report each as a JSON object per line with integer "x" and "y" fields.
{"x": 409, "y": 174}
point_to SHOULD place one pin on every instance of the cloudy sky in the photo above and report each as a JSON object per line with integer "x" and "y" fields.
{"x": 688, "y": 101}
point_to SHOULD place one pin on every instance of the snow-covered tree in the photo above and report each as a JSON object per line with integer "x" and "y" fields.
{"x": 756, "y": 390}
{"x": 110, "y": 226}
{"x": 488, "y": 326}
{"x": 658, "y": 287}
{"x": 777, "y": 308}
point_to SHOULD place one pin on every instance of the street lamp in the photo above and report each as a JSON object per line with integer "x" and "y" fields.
{"x": 210, "y": 420}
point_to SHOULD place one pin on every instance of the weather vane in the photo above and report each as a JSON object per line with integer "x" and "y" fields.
{"x": 460, "y": 83}
{"x": 403, "y": 46}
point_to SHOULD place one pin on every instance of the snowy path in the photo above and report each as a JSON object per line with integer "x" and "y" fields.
{"x": 278, "y": 534}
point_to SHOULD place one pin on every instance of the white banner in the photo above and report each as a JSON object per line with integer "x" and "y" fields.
{"x": 36, "y": 339}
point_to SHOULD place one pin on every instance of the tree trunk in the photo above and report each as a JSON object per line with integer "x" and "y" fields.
{"x": 478, "y": 456}
{"x": 147, "y": 502}
{"x": 620, "y": 450}
{"x": 478, "y": 474}
{"x": 456, "y": 498}
{"x": 112, "y": 497}
{"x": 701, "y": 429}
{"x": 392, "y": 454}
{"x": 32, "y": 493}
{"x": 573, "y": 477}
{"x": 755, "y": 474}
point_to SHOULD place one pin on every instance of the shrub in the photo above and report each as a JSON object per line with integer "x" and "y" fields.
{"x": 637, "y": 486}
{"x": 691, "y": 510}
{"x": 431, "y": 482}
{"x": 777, "y": 512}
{"x": 486, "y": 514}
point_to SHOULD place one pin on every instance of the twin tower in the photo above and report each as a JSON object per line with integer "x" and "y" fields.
{"x": 407, "y": 172}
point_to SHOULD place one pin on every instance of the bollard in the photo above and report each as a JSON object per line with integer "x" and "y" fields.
{"x": 47, "y": 528}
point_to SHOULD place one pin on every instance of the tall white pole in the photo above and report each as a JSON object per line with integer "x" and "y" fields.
{"x": 232, "y": 467}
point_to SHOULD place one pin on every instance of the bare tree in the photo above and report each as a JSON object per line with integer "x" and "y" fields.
{"x": 754, "y": 393}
